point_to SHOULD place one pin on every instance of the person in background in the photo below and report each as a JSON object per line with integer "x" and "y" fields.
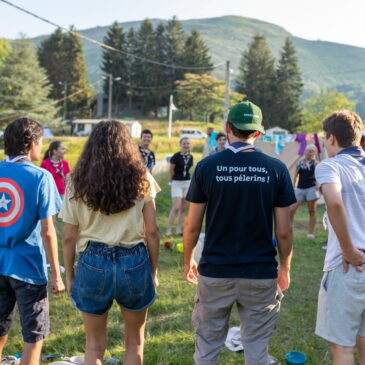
{"x": 28, "y": 200}
{"x": 54, "y": 163}
{"x": 148, "y": 156}
{"x": 210, "y": 141}
{"x": 221, "y": 139}
{"x": 180, "y": 164}
{"x": 110, "y": 220}
{"x": 341, "y": 299}
{"x": 305, "y": 187}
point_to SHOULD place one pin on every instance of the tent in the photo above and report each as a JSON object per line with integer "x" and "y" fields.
{"x": 47, "y": 133}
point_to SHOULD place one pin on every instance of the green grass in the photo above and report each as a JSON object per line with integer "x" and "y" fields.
{"x": 169, "y": 333}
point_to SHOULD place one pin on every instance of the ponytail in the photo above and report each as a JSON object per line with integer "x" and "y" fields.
{"x": 53, "y": 146}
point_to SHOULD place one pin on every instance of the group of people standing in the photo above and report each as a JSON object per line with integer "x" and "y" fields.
{"x": 109, "y": 213}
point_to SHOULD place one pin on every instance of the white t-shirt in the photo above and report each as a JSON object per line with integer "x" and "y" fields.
{"x": 349, "y": 174}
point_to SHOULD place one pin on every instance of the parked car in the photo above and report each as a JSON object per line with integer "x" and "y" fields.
{"x": 192, "y": 133}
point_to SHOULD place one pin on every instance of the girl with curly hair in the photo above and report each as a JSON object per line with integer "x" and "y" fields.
{"x": 110, "y": 220}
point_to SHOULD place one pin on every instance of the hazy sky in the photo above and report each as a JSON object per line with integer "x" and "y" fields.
{"x": 337, "y": 21}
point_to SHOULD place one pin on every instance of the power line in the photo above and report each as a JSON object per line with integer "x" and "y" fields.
{"x": 167, "y": 86}
{"x": 103, "y": 45}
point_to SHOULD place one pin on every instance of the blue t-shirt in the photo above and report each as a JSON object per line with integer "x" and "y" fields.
{"x": 28, "y": 194}
{"x": 241, "y": 190}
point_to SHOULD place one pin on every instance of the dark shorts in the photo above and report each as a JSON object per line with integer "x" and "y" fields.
{"x": 32, "y": 302}
{"x": 105, "y": 273}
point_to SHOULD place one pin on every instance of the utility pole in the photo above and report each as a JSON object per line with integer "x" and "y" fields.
{"x": 170, "y": 116}
{"x": 110, "y": 96}
{"x": 64, "y": 92}
{"x": 64, "y": 99}
{"x": 226, "y": 96}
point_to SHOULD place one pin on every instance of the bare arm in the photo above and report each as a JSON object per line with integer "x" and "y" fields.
{"x": 284, "y": 238}
{"x": 69, "y": 239}
{"x": 191, "y": 235}
{"x": 49, "y": 238}
{"x": 295, "y": 179}
{"x": 337, "y": 216}
{"x": 172, "y": 170}
{"x": 152, "y": 236}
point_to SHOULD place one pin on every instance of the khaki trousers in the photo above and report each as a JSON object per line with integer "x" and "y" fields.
{"x": 258, "y": 304}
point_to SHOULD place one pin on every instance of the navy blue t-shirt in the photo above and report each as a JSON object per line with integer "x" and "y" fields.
{"x": 241, "y": 190}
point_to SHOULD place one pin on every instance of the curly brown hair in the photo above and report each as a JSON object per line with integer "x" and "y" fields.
{"x": 109, "y": 175}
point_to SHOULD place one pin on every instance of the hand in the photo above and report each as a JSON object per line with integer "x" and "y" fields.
{"x": 284, "y": 279}
{"x": 156, "y": 283}
{"x": 355, "y": 257}
{"x": 191, "y": 272}
{"x": 57, "y": 285}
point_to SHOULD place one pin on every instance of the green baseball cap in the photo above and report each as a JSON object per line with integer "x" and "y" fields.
{"x": 246, "y": 116}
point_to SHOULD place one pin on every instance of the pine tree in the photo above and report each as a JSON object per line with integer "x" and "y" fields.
{"x": 289, "y": 89}
{"x": 196, "y": 53}
{"x": 144, "y": 71}
{"x": 61, "y": 54}
{"x": 160, "y": 73}
{"x": 175, "y": 42}
{"x": 257, "y": 76}
{"x": 115, "y": 63}
{"x": 130, "y": 62}
{"x": 24, "y": 87}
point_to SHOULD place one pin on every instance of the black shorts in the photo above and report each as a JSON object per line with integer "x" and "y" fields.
{"x": 33, "y": 308}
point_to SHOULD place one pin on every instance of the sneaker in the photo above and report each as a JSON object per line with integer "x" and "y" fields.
{"x": 311, "y": 236}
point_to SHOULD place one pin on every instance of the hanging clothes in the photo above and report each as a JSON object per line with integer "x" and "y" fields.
{"x": 317, "y": 144}
{"x": 301, "y": 138}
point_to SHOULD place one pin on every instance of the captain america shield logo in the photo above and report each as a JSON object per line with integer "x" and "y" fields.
{"x": 11, "y": 202}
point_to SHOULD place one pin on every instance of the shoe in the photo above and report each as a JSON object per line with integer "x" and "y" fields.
{"x": 311, "y": 236}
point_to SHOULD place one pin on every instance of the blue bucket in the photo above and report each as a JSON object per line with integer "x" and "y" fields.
{"x": 295, "y": 358}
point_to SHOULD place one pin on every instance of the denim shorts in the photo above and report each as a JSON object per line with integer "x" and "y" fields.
{"x": 307, "y": 195}
{"x": 105, "y": 273}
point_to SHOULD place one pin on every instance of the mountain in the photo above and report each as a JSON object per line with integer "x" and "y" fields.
{"x": 323, "y": 64}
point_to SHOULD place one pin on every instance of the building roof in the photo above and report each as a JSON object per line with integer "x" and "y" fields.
{"x": 95, "y": 121}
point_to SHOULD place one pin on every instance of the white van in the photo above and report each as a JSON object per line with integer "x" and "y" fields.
{"x": 192, "y": 133}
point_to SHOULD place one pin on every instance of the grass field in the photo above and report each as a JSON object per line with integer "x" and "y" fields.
{"x": 169, "y": 333}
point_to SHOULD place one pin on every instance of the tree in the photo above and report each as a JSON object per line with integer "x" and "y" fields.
{"x": 202, "y": 96}
{"x": 175, "y": 42}
{"x": 287, "y": 110}
{"x": 24, "y": 87}
{"x": 144, "y": 71}
{"x": 115, "y": 63}
{"x": 319, "y": 105}
{"x": 161, "y": 74}
{"x": 257, "y": 76}
{"x": 61, "y": 54}
{"x": 131, "y": 44}
{"x": 196, "y": 53}
{"x": 5, "y": 49}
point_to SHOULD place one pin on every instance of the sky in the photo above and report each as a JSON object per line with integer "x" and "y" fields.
{"x": 336, "y": 21}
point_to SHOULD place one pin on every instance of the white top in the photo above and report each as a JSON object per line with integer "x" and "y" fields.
{"x": 349, "y": 174}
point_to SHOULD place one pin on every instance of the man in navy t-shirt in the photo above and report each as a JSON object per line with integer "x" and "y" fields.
{"x": 241, "y": 191}
{"x": 28, "y": 201}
